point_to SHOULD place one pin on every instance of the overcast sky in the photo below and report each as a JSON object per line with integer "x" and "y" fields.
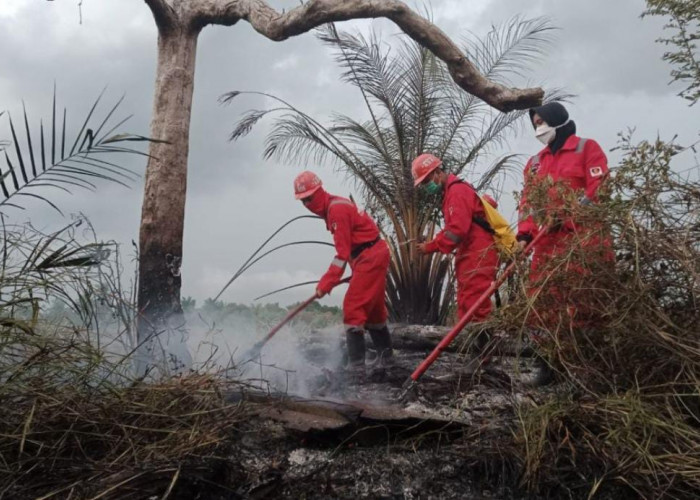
{"x": 603, "y": 52}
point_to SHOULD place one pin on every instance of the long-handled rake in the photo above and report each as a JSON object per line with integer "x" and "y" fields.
{"x": 254, "y": 351}
{"x": 411, "y": 383}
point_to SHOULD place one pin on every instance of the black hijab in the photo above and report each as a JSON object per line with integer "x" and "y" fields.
{"x": 554, "y": 114}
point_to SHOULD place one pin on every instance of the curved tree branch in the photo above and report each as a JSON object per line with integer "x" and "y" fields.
{"x": 314, "y": 13}
{"x": 163, "y": 13}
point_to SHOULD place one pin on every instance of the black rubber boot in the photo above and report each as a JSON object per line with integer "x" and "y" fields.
{"x": 381, "y": 339}
{"x": 355, "y": 342}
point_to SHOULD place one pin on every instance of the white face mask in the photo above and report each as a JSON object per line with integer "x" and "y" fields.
{"x": 546, "y": 134}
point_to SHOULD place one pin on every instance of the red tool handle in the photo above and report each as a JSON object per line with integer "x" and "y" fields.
{"x": 427, "y": 362}
{"x": 288, "y": 318}
{"x": 291, "y": 315}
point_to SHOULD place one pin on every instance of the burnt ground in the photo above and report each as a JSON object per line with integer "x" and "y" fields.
{"x": 350, "y": 439}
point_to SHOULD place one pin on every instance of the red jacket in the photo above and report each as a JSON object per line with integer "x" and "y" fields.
{"x": 580, "y": 164}
{"x": 350, "y": 228}
{"x": 460, "y": 205}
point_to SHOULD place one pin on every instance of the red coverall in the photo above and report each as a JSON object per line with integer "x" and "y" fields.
{"x": 352, "y": 230}
{"x": 580, "y": 165}
{"x": 476, "y": 260}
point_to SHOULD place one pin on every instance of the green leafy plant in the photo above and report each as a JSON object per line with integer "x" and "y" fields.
{"x": 684, "y": 22}
{"x": 44, "y": 159}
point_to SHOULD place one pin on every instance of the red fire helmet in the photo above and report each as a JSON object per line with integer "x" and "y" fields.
{"x": 423, "y": 166}
{"x": 306, "y": 184}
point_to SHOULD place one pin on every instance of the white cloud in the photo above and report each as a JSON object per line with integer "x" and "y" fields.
{"x": 9, "y": 8}
{"x": 286, "y": 63}
{"x": 452, "y": 10}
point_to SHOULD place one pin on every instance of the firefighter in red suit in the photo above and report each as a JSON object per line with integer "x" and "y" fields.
{"x": 576, "y": 166}
{"x": 357, "y": 243}
{"x": 476, "y": 257}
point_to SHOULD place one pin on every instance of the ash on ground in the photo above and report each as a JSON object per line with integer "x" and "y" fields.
{"x": 341, "y": 438}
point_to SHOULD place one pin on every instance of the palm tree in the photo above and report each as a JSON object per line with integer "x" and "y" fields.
{"x": 413, "y": 106}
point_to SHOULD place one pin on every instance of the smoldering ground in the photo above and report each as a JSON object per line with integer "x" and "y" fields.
{"x": 294, "y": 361}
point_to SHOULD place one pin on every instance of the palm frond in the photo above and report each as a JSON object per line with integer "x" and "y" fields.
{"x": 370, "y": 68}
{"x": 252, "y": 259}
{"x": 246, "y": 124}
{"x": 334, "y": 37}
{"x": 510, "y": 49}
{"x": 285, "y": 288}
{"x": 365, "y": 64}
{"x": 33, "y": 166}
{"x": 421, "y": 100}
{"x": 506, "y": 51}
{"x": 499, "y": 167}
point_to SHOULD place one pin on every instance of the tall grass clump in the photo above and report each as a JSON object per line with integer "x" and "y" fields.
{"x": 74, "y": 421}
{"x": 620, "y": 324}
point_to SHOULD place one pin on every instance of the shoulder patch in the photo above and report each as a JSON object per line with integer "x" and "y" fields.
{"x": 596, "y": 171}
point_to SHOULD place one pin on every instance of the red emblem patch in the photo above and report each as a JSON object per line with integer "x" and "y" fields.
{"x": 596, "y": 171}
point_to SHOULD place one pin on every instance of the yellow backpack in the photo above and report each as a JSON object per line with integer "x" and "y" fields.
{"x": 498, "y": 226}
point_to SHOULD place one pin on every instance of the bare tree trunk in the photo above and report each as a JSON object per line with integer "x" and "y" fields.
{"x": 163, "y": 211}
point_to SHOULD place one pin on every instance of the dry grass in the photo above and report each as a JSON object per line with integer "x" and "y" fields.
{"x": 74, "y": 423}
{"x": 628, "y": 358}
{"x": 63, "y": 441}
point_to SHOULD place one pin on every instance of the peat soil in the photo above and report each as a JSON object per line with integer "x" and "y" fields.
{"x": 450, "y": 438}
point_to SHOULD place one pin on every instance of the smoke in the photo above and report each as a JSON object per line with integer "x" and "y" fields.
{"x": 293, "y": 362}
